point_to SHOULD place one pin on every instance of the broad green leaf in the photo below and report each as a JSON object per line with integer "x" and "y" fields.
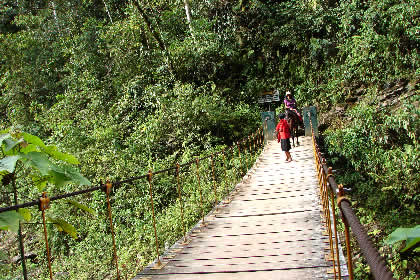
{"x": 10, "y": 143}
{"x": 39, "y": 161}
{"x": 25, "y": 213}
{"x": 410, "y": 235}
{"x": 81, "y": 206}
{"x": 62, "y": 225}
{"x": 55, "y": 153}
{"x": 40, "y": 183}
{"x": 410, "y": 243}
{"x": 413, "y": 237}
{"x": 3, "y": 137}
{"x": 29, "y": 148}
{"x": 32, "y": 139}
{"x": 9, "y": 163}
{"x": 10, "y": 220}
{"x": 58, "y": 177}
{"x": 67, "y": 174}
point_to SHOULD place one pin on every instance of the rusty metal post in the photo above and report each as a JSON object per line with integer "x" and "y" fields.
{"x": 181, "y": 202}
{"x": 199, "y": 188}
{"x": 244, "y": 152}
{"x": 250, "y": 152}
{"x": 254, "y": 142}
{"x": 330, "y": 173}
{"x": 226, "y": 179}
{"x": 108, "y": 187}
{"x": 324, "y": 182}
{"x": 262, "y": 138}
{"x": 149, "y": 179}
{"x": 44, "y": 204}
{"x": 240, "y": 158}
{"x": 214, "y": 180}
{"x": 346, "y": 232}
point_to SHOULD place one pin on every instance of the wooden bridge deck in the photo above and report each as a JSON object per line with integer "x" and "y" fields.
{"x": 271, "y": 229}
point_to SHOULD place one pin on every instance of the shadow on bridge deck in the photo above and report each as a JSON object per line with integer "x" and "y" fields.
{"x": 271, "y": 228}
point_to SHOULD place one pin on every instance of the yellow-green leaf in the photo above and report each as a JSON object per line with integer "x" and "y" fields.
{"x": 55, "y": 153}
{"x": 25, "y": 213}
{"x": 81, "y": 206}
{"x": 33, "y": 140}
{"x": 62, "y": 225}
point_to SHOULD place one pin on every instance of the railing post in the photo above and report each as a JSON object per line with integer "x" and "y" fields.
{"x": 149, "y": 179}
{"x": 254, "y": 142}
{"x": 262, "y": 138}
{"x": 226, "y": 179}
{"x": 328, "y": 217}
{"x": 330, "y": 173}
{"x": 341, "y": 197}
{"x": 181, "y": 202}
{"x": 250, "y": 151}
{"x": 199, "y": 188}
{"x": 44, "y": 204}
{"x": 214, "y": 180}
{"x": 108, "y": 187}
{"x": 240, "y": 158}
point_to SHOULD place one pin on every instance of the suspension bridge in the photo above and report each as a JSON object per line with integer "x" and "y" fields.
{"x": 280, "y": 221}
{"x": 270, "y": 227}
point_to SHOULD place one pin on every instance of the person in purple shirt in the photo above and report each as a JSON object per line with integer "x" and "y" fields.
{"x": 290, "y": 104}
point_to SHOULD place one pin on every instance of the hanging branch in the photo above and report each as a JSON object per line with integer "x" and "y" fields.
{"x": 107, "y": 11}
{"x": 155, "y": 34}
{"x": 189, "y": 18}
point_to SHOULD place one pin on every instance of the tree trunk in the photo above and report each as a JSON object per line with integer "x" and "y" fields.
{"x": 188, "y": 11}
{"x": 188, "y": 14}
{"x": 107, "y": 11}
{"x": 189, "y": 20}
{"x": 155, "y": 34}
{"x": 55, "y": 16}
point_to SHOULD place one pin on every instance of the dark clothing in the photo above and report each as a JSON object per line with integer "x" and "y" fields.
{"x": 285, "y": 145}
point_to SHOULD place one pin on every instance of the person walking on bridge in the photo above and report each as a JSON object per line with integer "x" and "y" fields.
{"x": 283, "y": 136}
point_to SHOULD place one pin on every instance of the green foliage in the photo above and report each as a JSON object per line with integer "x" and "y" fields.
{"x": 411, "y": 236}
{"x": 62, "y": 225}
{"x": 33, "y": 154}
{"x": 33, "y": 157}
{"x": 10, "y": 220}
{"x": 81, "y": 206}
{"x": 379, "y": 150}
{"x": 383, "y": 147}
{"x": 126, "y": 92}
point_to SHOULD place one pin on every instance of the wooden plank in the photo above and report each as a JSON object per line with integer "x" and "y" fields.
{"x": 271, "y": 229}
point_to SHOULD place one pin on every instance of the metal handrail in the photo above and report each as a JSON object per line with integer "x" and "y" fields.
{"x": 328, "y": 186}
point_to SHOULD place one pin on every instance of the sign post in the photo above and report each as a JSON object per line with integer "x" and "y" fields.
{"x": 269, "y": 125}
{"x": 309, "y": 114}
{"x": 269, "y": 118}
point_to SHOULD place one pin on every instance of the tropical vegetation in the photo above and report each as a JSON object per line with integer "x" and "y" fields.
{"x": 116, "y": 88}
